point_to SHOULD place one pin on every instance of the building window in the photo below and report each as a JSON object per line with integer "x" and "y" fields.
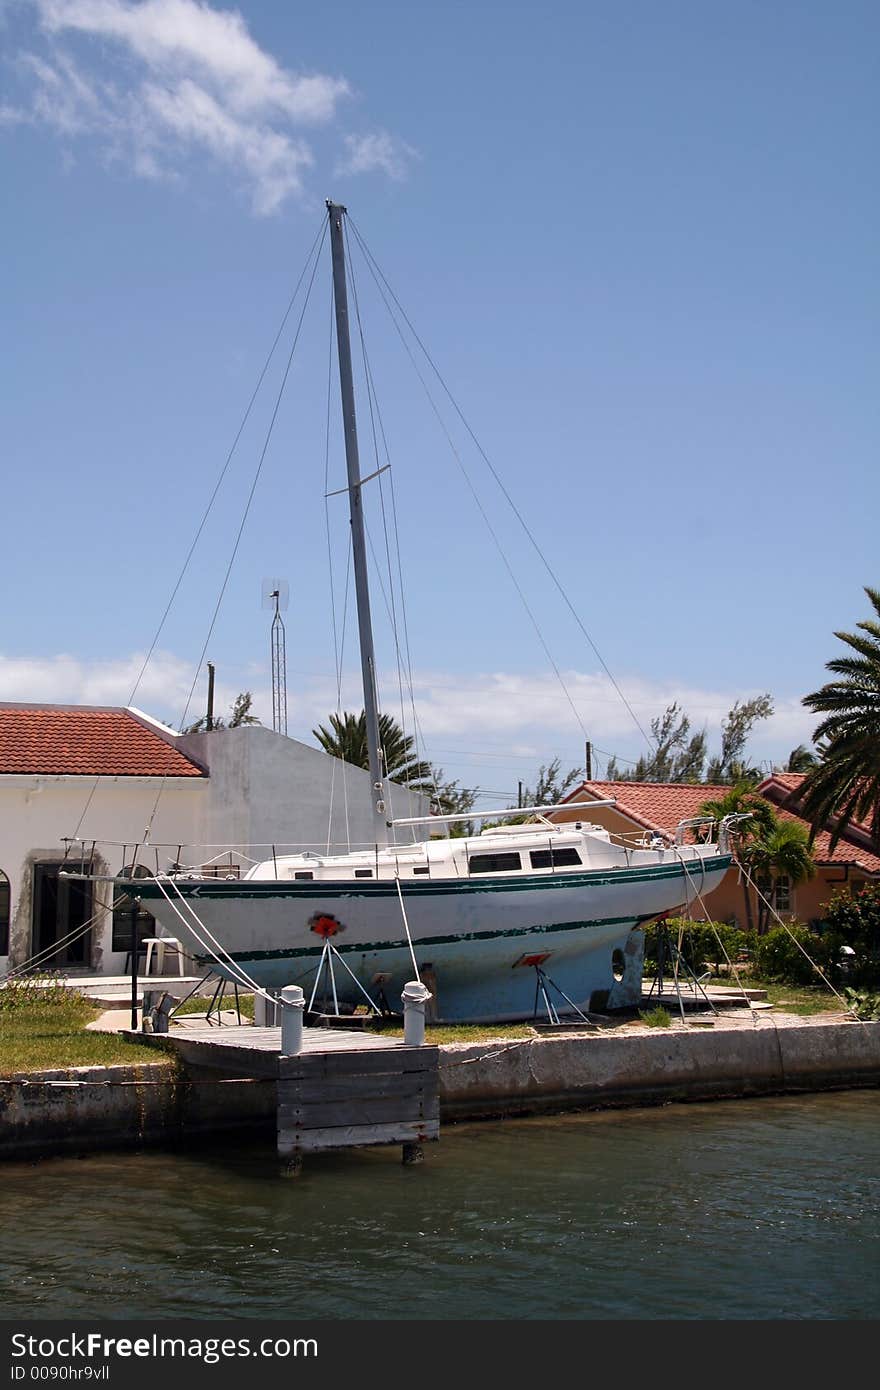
{"x": 4, "y": 914}
{"x": 62, "y": 915}
{"x": 782, "y": 894}
{"x": 493, "y": 863}
{"x": 126, "y": 910}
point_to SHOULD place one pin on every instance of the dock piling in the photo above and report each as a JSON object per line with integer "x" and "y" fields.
{"x": 293, "y": 1003}
{"x": 415, "y": 997}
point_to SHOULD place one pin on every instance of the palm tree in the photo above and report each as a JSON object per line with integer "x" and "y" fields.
{"x": 742, "y": 799}
{"x": 800, "y": 759}
{"x": 346, "y": 738}
{"x": 783, "y": 853}
{"x": 846, "y": 784}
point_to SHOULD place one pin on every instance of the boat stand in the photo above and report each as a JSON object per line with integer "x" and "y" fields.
{"x": 212, "y": 1016}
{"x": 542, "y": 981}
{"x": 669, "y": 957}
{"x": 326, "y": 967}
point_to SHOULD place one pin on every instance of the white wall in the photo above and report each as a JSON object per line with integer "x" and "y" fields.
{"x": 38, "y": 811}
{"x": 267, "y": 789}
{"x": 262, "y": 790}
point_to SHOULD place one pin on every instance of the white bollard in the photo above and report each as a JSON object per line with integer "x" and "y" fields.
{"x": 415, "y": 996}
{"x": 293, "y": 1003}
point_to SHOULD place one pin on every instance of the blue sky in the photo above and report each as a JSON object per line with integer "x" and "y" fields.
{"x": 638, "y": 239}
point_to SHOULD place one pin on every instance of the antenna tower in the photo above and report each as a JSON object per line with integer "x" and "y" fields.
{"x": 276, "y": 596}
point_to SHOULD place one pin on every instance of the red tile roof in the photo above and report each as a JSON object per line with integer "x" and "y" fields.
{"x": 844, "y": 852}
{"x": 782, "y": 787}
{"x": 661, "y": 805}
{"x": 80, "y": 741}
{"x": 654, "y": 805}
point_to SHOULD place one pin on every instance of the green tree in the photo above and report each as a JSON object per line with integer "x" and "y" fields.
{"x": 676, "y": 758}
{"x": 742, "y": 799}
{"x": 784, "y": 852}
{"x": 800, "y": 759}
{"x": 552, "y": 784}
{"x": 346, "y": 738}
{"x": 680, "y": 756}
{"x": 239, "y": 714}
{"x": 730, "y": 765}
{"x": 845, "y": 785}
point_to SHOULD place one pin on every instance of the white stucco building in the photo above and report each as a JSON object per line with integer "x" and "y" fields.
{"x": 99, "y": 776}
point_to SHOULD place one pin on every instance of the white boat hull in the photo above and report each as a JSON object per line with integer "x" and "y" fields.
{"x": 472, "y": 934}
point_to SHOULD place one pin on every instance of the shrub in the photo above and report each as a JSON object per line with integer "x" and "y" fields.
{"x": 853, "y": 919}
{"x": 702, "y": 943}
{"x": 863, "y": 1003}
{"x": 779, "y": 957}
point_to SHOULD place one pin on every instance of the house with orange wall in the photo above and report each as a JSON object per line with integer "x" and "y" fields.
{"x": 656, "y": 808}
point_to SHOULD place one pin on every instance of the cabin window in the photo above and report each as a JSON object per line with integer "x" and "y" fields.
{"x": 493, "y": 863}
{"x": 303, "y": 873}
{"x": 363, "y": 873}
{"x": 421, "y": 869}
{"x": 126, "y": 910}
{"x": 4, "y": 914}
{"x": 554, "y": 858}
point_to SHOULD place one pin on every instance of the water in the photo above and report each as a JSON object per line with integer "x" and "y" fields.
{"x": 750, "y": 1209}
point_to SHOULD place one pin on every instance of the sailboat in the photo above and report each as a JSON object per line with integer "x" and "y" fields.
{"x": 487, "y": 919}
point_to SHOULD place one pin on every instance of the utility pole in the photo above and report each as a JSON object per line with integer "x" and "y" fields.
{"x": 589, "y": 761}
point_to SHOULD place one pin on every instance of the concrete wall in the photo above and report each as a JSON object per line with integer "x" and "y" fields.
{"x": 769, "y": 1056}
{"x": 87, "y": 1108}
{"x": 268, "y": 790}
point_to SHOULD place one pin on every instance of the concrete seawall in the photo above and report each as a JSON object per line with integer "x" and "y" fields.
{"x": 767, "y": 1056}
{"x": 89, "y": 1108}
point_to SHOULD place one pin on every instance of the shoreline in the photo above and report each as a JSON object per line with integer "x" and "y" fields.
{"x": 107, "y": 1108}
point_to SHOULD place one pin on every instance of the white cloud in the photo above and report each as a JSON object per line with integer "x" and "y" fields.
{"x": 165, "y": 81}
{"x": 496, "y": 718}
{"x": 377, "y": 150}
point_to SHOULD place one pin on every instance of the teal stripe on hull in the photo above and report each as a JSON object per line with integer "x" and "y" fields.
{"x": 273, "y": 888}
{"x": 363, "y": 948}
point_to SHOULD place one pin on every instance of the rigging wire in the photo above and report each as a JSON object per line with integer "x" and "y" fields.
{"x": 245, "y": 514}
{"x": 373, "y": 410}
{"x": 319, "y": 236}
{"x": 378, "y": 275}
{"x": 482, "y": 511}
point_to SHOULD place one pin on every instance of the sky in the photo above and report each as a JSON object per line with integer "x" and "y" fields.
{"x": 639, "y": 243}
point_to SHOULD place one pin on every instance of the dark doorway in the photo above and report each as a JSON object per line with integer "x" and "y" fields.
{"x": 62, "y": 906}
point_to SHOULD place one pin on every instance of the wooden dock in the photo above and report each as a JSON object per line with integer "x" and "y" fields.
{"x": 345, "y": 1089}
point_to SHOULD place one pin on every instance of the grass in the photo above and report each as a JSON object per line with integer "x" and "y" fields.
{"x": 465, "y": 1032}
{"x": 800, "y": 999}
{"x": 42, "y": 1029}
{"x": 657, "y": 1017}
{"x": 199, "y": 1003}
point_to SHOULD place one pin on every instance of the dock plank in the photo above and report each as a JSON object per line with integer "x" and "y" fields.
{"x": 357, "y": 1136}
{"x": 364, "y": 1111}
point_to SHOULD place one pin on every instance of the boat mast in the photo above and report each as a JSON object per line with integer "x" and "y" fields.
{"x": 359, "y": 550}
